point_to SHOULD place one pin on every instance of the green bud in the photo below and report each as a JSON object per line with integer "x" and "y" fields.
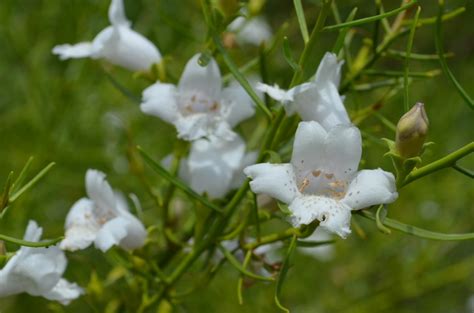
{"x": 3, "y": 250}
{"x": 411, "y": 132}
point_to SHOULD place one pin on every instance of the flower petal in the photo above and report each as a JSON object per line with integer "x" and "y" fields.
{"x": 211, "y": 164}
{"x": 308, "y": 147}
{"x": 205, "y": 79}
{"x": 64, "y": 292}
{"x": 79, "y": 50}
{"x": 111, "y": 233}
{"x": 329, "y": 70}
{"x": 371, "y": 187}
{"x": 120, "y": 45}
{"x": 196, "y": 126}
{"x": 241, "y": 105}
{"x": 81, "y": 226}
{"x": 276, "y": 92}
{"x": 100, "y": 192}
{"x": 343, "y": 151}
{"x": 334, "y": 216}
{"x": 323, "y": 104}
{"x": 117, "y": 14}
{"x": 160, "y": 100}
{"x": 275, "y": 180}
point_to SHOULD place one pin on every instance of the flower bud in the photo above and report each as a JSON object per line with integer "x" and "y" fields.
{"x": 3, "y": 250}
{"x": 411, "y": 131}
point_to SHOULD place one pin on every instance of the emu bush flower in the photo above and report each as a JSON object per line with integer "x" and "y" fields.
{"x": 103, "y": 218}
{"x": 118, "y": 44}
{"x": 215, "y": 166}
{"x": 199, "y": 106}
{"x": 322, "y": 182}
{"x": 318, "y": 100}
{"x": 38, "y": 271}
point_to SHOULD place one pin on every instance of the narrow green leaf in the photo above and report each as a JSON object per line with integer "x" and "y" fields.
{"x": 406, "y": 97}
{"x": 432, "y": 20}
{"x": 343, "y": 32}
{"x": 256, "y": 216}
{"x": 312, "y": 244}
{"x": 442, "y": 60}
{"x": 21, "y": 242}
{"x": 391, "y": 73}
{"x": 371, "y": 18}
{"x": 301, "y": 20}
{"x": 177, "y": 182}
{"x": 464, "y": 171}
{"x": 307, "y": 56}
{"x": 32, "y": 182}
{"x": 283, "y": 272}
{"x": 288, "y": 55}
{"x": 19, "y": 180}
{"x": 415, "y": 56}
{"x": 416, "y": 231}
{"x": 233, "y": 261}
{"x": 122, "y": 89}
{"x": 5, "y": 199}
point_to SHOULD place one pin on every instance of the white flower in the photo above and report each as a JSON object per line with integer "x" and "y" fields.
{"x": 322, "y": 182}
{"x": 215, "y": 166}
{"x": 38, "y": 271}
{"x": 317, "y": 100}
{"x": 199, "y": 106}
{"x": 103, "y": 218}
{"x": 118, "y": 44}
{"x": 252, "y": 30}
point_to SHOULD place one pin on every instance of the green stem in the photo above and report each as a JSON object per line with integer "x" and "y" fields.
{"x": 371, "y": 18}
{"x": 232, "y": 260}
{"x": 301, "y": 20}
{"x": 239, "y": 77}
{"x": 437, "y": 165}
{"x": 416, "y": 231}
{"x": 32, "y": 182}
{"x": 40, "y": 244}
{"x": 406, "y": 97}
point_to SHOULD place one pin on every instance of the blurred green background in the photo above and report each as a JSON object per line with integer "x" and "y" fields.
{"x": 70, "y": 113}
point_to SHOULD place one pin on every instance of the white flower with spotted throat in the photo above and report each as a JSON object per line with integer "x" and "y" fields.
{"x": 317, "y": 100}
{"x": 199, "y": 106}
{"x": 118, "y": 44}
{"x": 103, "y": 218}
{"x": 38, "y": 271}
{"x": 322, "y": 182}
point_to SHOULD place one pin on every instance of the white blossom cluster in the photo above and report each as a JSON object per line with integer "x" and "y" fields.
{"x": 321, "y": 182}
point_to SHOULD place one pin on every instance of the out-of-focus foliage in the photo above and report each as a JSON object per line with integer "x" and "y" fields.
{"x": 69, "y": 112}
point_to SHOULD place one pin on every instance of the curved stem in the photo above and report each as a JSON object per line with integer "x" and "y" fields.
{"x": 437, "y": 165}
{"x": 32, "y": 244}
{"x": 416, "y": 231}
